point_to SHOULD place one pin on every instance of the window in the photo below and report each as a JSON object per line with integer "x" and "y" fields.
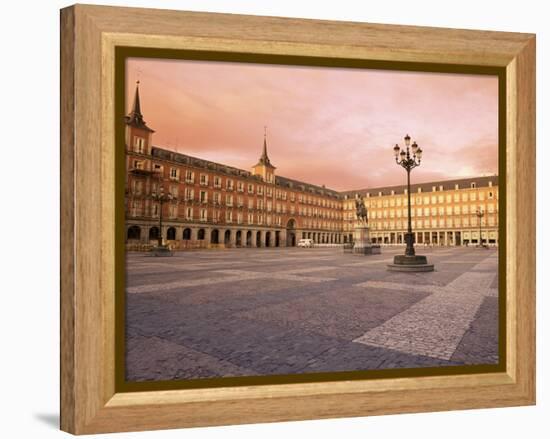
{"x": 204, "y": 215}
{"x": 490, "y": 195}
{"x": 269, "y": 192}
{"x": 136, "y": 187}
{"x": 189, "y": 177}
{"x": 189, "y": 213}
{"x": 216, "y": 198}
{"x": 228, "y": 216}
{"x": 173, "y": 211}
{"x": 251, "y": 203}
{"x": 240, "y": 186}
{"x": 240, "y": 201}
{"x": 138, "y": 164}
{"x": 229, "y": 200}
{"x": 189, "y": 194}
{"x": 473, "y": 185}
{"x": 174, "y": 174}
{"x": 250, "y": 188}
{"x": 229, "y": 184}
{"x": 260, "y": 190}
{"x": 139, "y": 144}
{"x": 217, "y": 182}
{"x": 136, "y": 208}
{"x": 204, "y": 180}
{"x": 203, "y": 197}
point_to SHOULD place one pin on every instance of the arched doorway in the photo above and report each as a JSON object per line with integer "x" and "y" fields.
{"x": 134, "y": 232}
{"x": 268, "y": 239}
{"x": 291, "y": 233}
{"x": 238, "y": 238}
{"x": 153, "y": 233}
{"x": 227, "y": 237}
{"x": 171, "y": 233}
{"x": 258, "y": 239}
{"x": 187, "y": 234}
{"x": 215, "y": 236}
{"x": 200, "y": 235}
{"x": 249, "y": 239}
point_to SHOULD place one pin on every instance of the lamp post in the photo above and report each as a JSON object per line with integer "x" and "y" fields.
{"x": 480, "y": 214}
{"x": 160, "y": 197}
{"x": 409, "y": 158}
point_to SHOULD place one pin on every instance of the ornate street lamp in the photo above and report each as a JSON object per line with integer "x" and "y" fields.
{"x": 161, "y": 198}
{"x": 480, "y": 214}
{"x": 409, "y": 158}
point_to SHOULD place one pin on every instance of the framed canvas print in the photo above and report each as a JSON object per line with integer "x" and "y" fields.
{"x": 273, "y": 219}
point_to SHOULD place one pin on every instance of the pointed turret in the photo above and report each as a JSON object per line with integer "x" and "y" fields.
{"x": 264, "y": 168}
{"x": 264, "y": 158}
{"x": 135, "y": 118}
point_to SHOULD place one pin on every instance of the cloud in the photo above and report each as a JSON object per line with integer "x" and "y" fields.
{"x": 325, "y": 126}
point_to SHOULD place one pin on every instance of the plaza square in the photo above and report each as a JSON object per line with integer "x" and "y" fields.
{"x": 250, "y": 312}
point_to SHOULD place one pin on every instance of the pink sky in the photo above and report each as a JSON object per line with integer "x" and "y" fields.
{"x": 329, "y": 126}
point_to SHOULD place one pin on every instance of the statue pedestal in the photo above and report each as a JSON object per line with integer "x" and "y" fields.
{"x": 361, "y": 241}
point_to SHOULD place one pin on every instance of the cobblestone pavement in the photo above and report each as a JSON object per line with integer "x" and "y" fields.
{"x": 249, "y": 312}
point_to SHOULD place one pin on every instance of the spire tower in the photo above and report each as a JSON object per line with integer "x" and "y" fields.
{"x": 135, "y": 118}
{"x": 264, "y": 168}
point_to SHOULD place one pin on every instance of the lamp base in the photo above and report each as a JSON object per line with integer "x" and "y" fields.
{"x": 416, "y": 263}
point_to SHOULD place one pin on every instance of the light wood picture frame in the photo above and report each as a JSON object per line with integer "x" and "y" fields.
{"x": 90, "y": 399}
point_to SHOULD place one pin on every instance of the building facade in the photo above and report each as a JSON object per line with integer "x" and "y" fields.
{"x": 442, "y": 212}
{"x": 199, "y": 203}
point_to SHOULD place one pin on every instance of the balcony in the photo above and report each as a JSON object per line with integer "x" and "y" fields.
{"x": 141, "y": 172}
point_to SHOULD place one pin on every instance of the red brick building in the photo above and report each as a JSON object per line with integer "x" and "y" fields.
{"x": 207, "y": 203}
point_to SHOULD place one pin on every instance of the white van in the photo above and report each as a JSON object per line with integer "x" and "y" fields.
{"x": 305, "y": 243}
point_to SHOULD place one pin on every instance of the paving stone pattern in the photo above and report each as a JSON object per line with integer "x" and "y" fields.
{"x": 250, "y": 312}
